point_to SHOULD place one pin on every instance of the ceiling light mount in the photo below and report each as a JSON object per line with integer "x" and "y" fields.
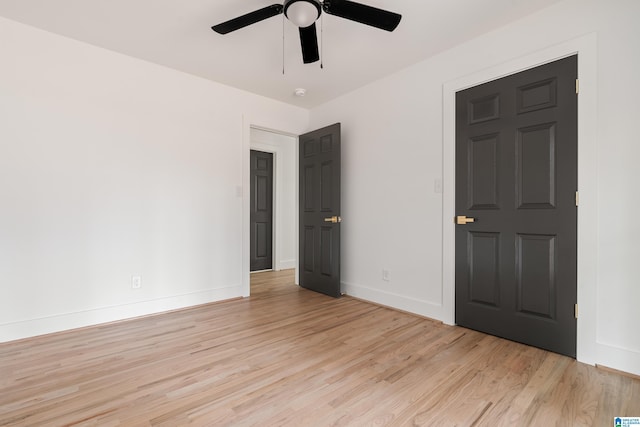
{"x": 300, "y": 92}
{"x": 302, "y": 13}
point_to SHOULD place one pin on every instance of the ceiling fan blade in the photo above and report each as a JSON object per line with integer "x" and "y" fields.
{"x": 309, "y": 43}
{"x": 248, "y": 19}
{"x": 363, "y": 14}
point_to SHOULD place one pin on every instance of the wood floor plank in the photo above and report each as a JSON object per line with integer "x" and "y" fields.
{"x": 287, "y": 356}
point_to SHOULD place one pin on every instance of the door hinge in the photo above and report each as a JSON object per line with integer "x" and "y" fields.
{"x": 577, "y": 86}
{"x": 575, "y": 310}
{"x": 577, "y": 198}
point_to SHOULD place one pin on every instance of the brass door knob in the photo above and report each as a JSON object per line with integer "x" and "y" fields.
{"x": 461, "y": 219}
{"x": 333, "y": 219}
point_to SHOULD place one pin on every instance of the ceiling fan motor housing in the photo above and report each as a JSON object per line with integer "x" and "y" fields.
{"x": 302, "y": 13}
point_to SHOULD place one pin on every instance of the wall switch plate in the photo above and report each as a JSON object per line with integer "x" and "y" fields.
{"x": 136, "y": 282}
{"x": 385, "y": 275}
{"x": 437, "y": 186}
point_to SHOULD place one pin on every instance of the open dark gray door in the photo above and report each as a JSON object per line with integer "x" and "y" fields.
{"x": 319, "y": 257}
{"x": 516, "y": 182}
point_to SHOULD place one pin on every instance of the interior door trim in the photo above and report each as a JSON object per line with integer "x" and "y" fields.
{"x": 586, "y": 49}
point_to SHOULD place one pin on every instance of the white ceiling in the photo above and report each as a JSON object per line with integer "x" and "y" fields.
{"x": 177, "y": 34}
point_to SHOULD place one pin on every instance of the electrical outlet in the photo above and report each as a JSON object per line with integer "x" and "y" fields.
{"x": 385, "y": 275}
{"x": 136, "y": 282}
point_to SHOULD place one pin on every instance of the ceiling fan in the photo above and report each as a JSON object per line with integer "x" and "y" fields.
{"x": 305, "y": 13}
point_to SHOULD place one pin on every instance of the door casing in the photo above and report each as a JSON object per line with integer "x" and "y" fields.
{"x": 585, "y": 48}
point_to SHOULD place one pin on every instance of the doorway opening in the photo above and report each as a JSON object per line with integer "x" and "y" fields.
{"x": 283, "y": 150}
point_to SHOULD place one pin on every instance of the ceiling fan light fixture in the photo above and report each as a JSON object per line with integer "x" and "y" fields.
{"x": 302, "y": 13}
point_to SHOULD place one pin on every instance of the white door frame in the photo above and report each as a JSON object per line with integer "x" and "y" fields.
{"x": 586, "y": 49}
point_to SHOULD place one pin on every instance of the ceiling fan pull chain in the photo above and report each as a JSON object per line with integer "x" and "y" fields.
{"x": 283, "y": 44}
{"x": 321, "y": 42}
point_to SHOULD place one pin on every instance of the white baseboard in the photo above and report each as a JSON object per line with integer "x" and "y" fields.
{"x": 621, "y": 359}
{"x": 287, "y": 264}
{"x": 62, "y": 322}
{"x": 389, "y": 299}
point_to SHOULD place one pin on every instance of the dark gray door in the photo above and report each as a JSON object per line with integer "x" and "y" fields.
{"x": 516, "y": 179}
{"x": 261, "y": 216}
{"x": 319, "y": 256}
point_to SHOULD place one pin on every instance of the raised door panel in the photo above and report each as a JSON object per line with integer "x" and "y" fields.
{"x": 326, "y": 186}
{"x": 263, "y": 239}
{"x": 483, "y": 173}
{"x": 309, "y": 188}
{"x": 263, "y": 193}
{"x": 483, "y": 109}
{"x": 309, "y": 251}
{"x": 326, "y": 253}
{"x": 483, "y": 251}
{"x": 536, "y": 275}
{"x": 537, "y": 95}
{"x": 536, "y": 167}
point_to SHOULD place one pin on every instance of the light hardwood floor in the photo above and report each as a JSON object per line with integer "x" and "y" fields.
{"x": 288, "y": 356}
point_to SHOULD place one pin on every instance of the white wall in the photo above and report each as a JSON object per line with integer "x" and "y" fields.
{"x": 285, "y": 152}
{"x": 393, "y": 136}
{"x": 112, "y": 167}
